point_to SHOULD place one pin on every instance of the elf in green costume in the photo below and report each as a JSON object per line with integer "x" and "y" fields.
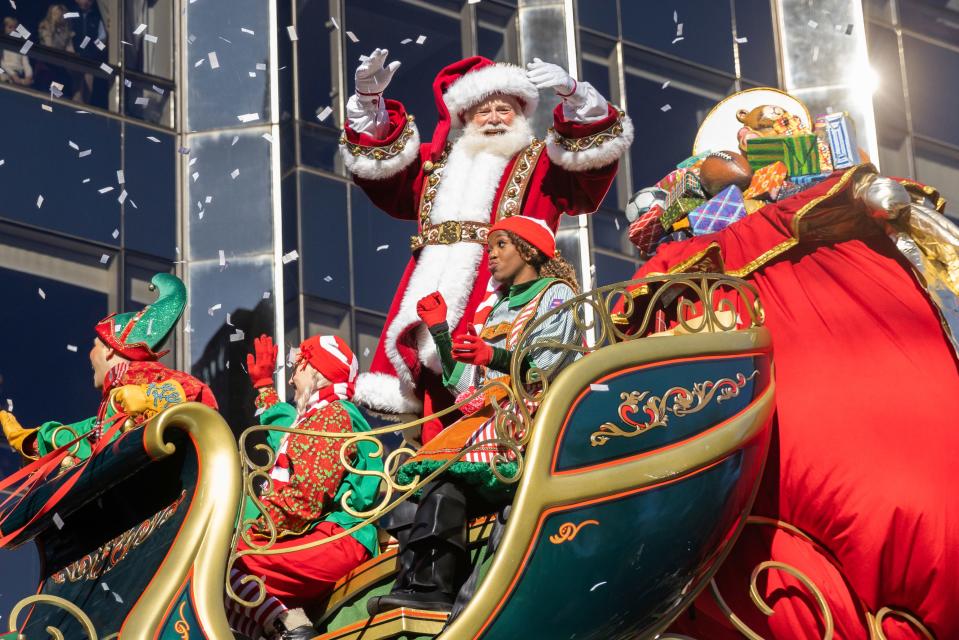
{"x": 126, "y": 368}
{"x": 309, "y": 481}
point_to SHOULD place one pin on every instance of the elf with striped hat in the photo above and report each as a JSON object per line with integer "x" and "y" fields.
{"x": 304, "y": 500}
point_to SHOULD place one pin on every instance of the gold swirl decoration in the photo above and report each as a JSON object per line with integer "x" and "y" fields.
{"x": 85, "y": 623}
{"x": 181, "y": 626}
{"x": 657, "y": 408}
{"x": 873, "y": 621}
{"x": 568, "y": 531}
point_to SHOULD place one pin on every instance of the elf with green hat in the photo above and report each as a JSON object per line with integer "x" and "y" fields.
{"x": 125, "y": 361}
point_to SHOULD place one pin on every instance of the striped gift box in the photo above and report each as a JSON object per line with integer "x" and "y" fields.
{"x": 840, "y": 134}
{"x": 799, "y": 153}
{"x": 646, "y": 230}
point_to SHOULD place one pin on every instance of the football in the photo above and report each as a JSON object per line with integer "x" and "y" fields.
{"x": 723, "y": 168}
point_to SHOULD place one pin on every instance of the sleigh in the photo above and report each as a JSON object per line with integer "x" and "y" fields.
{"x": 635, "y": 476}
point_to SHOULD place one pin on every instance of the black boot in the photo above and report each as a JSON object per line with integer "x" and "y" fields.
{"x": 303, "y": 632}
{"x": 434, "y": 561}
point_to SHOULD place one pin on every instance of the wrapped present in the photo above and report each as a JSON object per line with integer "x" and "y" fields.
{"x": 693, "y": 162}
{"x": 840, "y": 134}
{"x": 646, "y": 230}
{"x": 809, "y": 180}
{"x": 788, "y": 190}
{"x": 681, "y": 183}
{"x": 799, "y": 153}
{"x": 767, "y": 180}
{"x": 825, "y": 155}
{"x": 800, "y": 183}
{"x": 716, "y": 214}
{"x": 682, "y": 223}
{"x": 678, "y": 210}
{"x": 752, "y": 206}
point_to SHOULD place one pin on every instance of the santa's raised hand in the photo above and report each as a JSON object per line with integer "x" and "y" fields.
{"x": 545, "y": 75}
{"x": 374, "y": 75}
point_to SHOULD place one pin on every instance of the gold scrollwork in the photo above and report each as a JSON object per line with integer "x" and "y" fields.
{"x": 85, "y": 623}
{"x": 594, "y": 140}
{"x": 568, "y": 531}
{"x": 181, "y": 626}
{"x": 875, "y": 623}
{"x": 384, "y": 152}
{"x": 657, "y": 408}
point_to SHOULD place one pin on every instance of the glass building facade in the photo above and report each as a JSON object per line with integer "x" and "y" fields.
{"x": 200, "y": 137}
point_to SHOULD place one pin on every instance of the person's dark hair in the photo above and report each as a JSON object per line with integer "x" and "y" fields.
{"x": 556, "y": 267}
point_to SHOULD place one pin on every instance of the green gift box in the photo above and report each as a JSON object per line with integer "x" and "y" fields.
{"x": 679, "y": 210}
{"x": 799, "y": 153}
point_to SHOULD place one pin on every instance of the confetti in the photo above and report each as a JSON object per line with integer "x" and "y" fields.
{"x": 366, "y": 352}
{"x": 473, "y": 1}
{"x": 248, "y": 117}
{"x": 665, "y": 84}
{"x": 43, "y": 294}
{"x": 199, "y": 62}
{"x": 196, "y": 175}
{"x": 105, "y": 258}
{"x": 252, "y": 74}
{"x": 9, "y": 405}
{"x": 815, "y": 53}
{"x": 39, "y": 201}
{"x": 222, "y": 258}
{"x": 2, "y": 162}
{"x": 323, "y": 115}
{"x": 665, "y": 108}
{"x": 119, "y": 176}
{"x": 85, "y": 153}
{"x": 157, "y": 89}
{"x": 116, "y": 596}
{"x": 106, "y": 68}
{"x": 679, "y": 29}
{"x": 675, "y": 16}
{"x": 352, "y": 36}
{"x": 235, "y": 140}
{"x": 291, "y": 32}
{"x": 140, "y": 29}
{"x": 234, "y": 173}
{"x": 208, "y": 199}
{"x": 152, "y": 39}
{"x": 599, "y": 387}
{"x": 86, "y": 180}
{"x": 228, "y": 321}
{"x": 245, "y": 30}
{"x": 261, "y": 66}
{"x": 675, "y": 40}
{"x": 616, "y": 222}
{"x": 406, "y": 40}
{"x": 184, "y": 151}
{"x": 421, "y": 39}
{"x": 26, "y": 47}
{"x": 105, "y": 190}
{"x": 267, "y": 137}
{"x": 225, "y": 40}
{"x": 104, "y": 586}
{"x": 266, "y": 295}
{"x": 214, "y": 308}
{"x": 71, "y": 14}
{"x": 290, "y": 257}
{"x": 72, "y": 348}
{"x": 333, "y": 20}
{"x": 115, "y": 234}
{"x": 238, "y": 336}
{"x": 596, "y": 586}
{"x": 214, "y": 61}
{"x": 383, "y": 247}
{"x": 328, "y": 279}
{"x": 742, "y": 40}
{"x": 142, "y": 102}
{"x": 57, "y": 520}
{"x": 812, "y": 24}
{"x": 848, "y": 29}
{"x": 46, "y": 107}
{"x": 85, "y": 42}
{"x": 122, "y": 196}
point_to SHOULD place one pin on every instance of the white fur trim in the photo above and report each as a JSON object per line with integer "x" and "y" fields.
{"x": 293, "y": 618}
{"x": 371, "y": 169}
{"x": 476, "y": 86}
{"x": 595, "y": 158}
{"x": 381, "y": 392}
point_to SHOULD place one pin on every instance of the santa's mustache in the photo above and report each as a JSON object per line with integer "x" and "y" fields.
{"x": 494, "y": 128}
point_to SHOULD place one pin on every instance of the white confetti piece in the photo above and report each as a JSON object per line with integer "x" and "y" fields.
{"x": 680, "y": 38}
{"x": 323, "y": 115}
{"x": 199, "y": 62}
{"x": 328, "y": 279}
{"x": 214, "y": 61}
{"x": 743, "y": 40}
{"x": 812, "y": 24}
{"x": 106, "y": 68}
{"x": 142, "y": 102}
{"x": 333, "y": 20}
{"x": 105, "y": 258}
{"x": 214, "y": 308}
{"x": 599, "y": 387}
{"x": 290, "y": 257}
{"x": 122, "y": 197}
{"x": 115, "y": 234}
{"x": 267, "y": 137}
{"x": 120, "y": 176}
{"x": 42, "y": 293}
{"x": 383, "y": 247}
{"x": 815, "y": 53}
{"x": 105, "y": 190}
{"x": 473, "y": 1}
{"x": 225, "y": 40}
{"x": 157, "y": 89}
{"x": 665, "y": 84}
{"x": 71, "y": 14}
{"x": 100, "y": 44}
{"x": 266, "y": 295}
{"x": 140, "y": 29}
{"x": 9, "y": 405}
{"x": 421, "y": 39}
{"x": 2, "y": 162}
{"x": 104, "y": 586}
{"x": 84, "y": 153}
{"x": 261, "y": 66}
{"x": 675, "y": 16}
{"x": 152, "y": 39}
{"x": 86, "y": 180}
{"x": 238, "y": 336}
{"x": 252, "y": 74}
{"x": 291, "y": 32}
{"x": 208, "y": 199}
{"x": 196, "y": 176}
{"x": 366, "y": 352}
{"x": 679, "y": 29}
{"x": 259, "y": 411}
{"x": 57, "y": 520}
{"x": 46, "y": 107}
{"x": 665, "y": 108}
{"x": 235, "y": 140}
{"x": 85, "y": 42}
{"x": 248, "y": 117}
{"x": 597, "y": 586}
{"x": 616, "y": 222}
{"x": 234, "y": 173}
{"x": 406, "y": 40}
{"x": 72, "y": 348}
{"x": 222, "y": 258}
{"x": 248, "y": 31}
{"x": 352, "y": 36}
{"x": 39, "y": 201}
{"x": 116, "y": 596}
{"x": 26, "y": 47}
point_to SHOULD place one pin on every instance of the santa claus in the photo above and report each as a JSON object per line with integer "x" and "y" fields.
{"x": 456, "y": 187}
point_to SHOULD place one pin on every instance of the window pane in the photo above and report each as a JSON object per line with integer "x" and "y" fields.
{"x": 893, "y": 152}
{"x": 368, "y": 330}
{"x": 319, "y": 146}
{"x": 757, "y": 57}
{"x": 315, "y": 51}
{"x": 935, "y": 112}
{"x": 931, "y": 19}
{"x": 599, "y": 14}
{"x": 151, "y": 50}
{"x": 939, "y": 168}
{"x": 149, "y": 99}
{"x": 609, "y": 231}
{"x": 40, "y": 161}
{"x": 377, "y": 270}
{"x": 379, "y": 24}
{"x": 496, "y": 32}
{"x": 150, "y": 173}
{"x": 888, "y": 100}
{"x": 610, "y": 270}
{"x": 325, "y": 242}
{"x": 706, "y": 31}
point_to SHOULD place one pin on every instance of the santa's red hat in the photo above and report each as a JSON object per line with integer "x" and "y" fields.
{"x": 468, "y": 82}
{"x": 531, "y": 230}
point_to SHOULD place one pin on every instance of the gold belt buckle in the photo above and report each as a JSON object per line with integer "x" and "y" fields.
{"x": 450, "y": 232}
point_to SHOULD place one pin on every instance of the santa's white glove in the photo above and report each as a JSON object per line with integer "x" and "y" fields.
{"x": 884, "y": 197}
{"x": 371, "y": 76}
{"x": 545, "y": 75}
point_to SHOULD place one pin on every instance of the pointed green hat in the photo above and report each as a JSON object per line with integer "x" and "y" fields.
{"x": 136, "y": 336}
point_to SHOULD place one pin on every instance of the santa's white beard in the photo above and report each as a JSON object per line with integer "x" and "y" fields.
{"x": 468, "y": 185}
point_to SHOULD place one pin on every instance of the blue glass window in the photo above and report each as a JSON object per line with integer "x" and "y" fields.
{"x": 757, "y": 57}
{"x": 610, "y": 269}
{"x": 324, "y": 222}
{"x": 935, "y": 112}
{"x": 149, "y": 213}
{"x": 601, "y": 15}
{"x": 381, "y": 251}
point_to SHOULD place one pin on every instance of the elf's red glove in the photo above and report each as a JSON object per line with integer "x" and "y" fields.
{"x": 263, "y": 364}
{"x": 472, "y": 349}
{"x": 432, "y": 309}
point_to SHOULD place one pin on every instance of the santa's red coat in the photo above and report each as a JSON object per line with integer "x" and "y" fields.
{"x": 864, "y": 453}
{"x": 560, "y": 182}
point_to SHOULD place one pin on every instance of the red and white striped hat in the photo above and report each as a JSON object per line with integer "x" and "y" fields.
{"x": 333, "y": 358}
